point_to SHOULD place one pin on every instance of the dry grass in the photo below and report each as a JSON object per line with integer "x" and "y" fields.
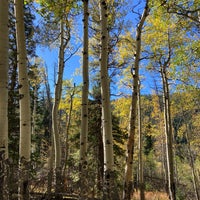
{"x": 152, "y": 196}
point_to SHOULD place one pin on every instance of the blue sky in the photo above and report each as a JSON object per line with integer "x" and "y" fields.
{"x": 50, "y": 57}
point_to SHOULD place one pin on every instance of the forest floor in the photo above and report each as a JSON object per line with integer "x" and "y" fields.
{"x": 155, "y": 195}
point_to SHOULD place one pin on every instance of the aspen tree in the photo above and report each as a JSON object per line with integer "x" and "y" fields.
{"x": 167, "y": 120}
{"x": 84, "y": 106}
{"x": 164, "y": 64}
{"x": 25, "y": 114}
{"x": 106, "y": 107}
{"x": 168, "y": 132}
{"x": 128, "y": 182}
{"x": 60, "y": 15}
{"x": 58, "y": 92}
{"x": 165, "y": 48}
{"x": 3, "y": 94}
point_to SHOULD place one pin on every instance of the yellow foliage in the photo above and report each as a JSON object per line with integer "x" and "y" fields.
{"x": 161, "y": 27}
{"x": 122, "y": 110}
{"x": 126, "y": 47}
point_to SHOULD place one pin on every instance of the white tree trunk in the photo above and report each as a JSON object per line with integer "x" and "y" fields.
{"x": 58, "y": 93}
{"x": 25, "y": 114}
{"x": 84, "y": 107}
{"x": 168, "y": 133}
{"x": 3, "y": 95}
{"x": 25, "y": 119}
{"x": 84, "y": 111}
{"x": 106, "y": 107}
{"x": 105, "y": 91}
{"x": 128, "y": 182}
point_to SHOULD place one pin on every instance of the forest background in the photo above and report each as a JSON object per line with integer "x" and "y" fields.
{"x": 110, "y": 110}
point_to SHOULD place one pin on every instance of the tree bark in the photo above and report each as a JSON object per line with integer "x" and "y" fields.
{"x": 58, "y": 93}
{"x": 168, "y": 133}
{"x": 128, "y": 179}
{"x": 108, "y": 191}
{"x": 4, "y": 98}
{"x": 25, "y": 113}
{"x": 84, "y": 106}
